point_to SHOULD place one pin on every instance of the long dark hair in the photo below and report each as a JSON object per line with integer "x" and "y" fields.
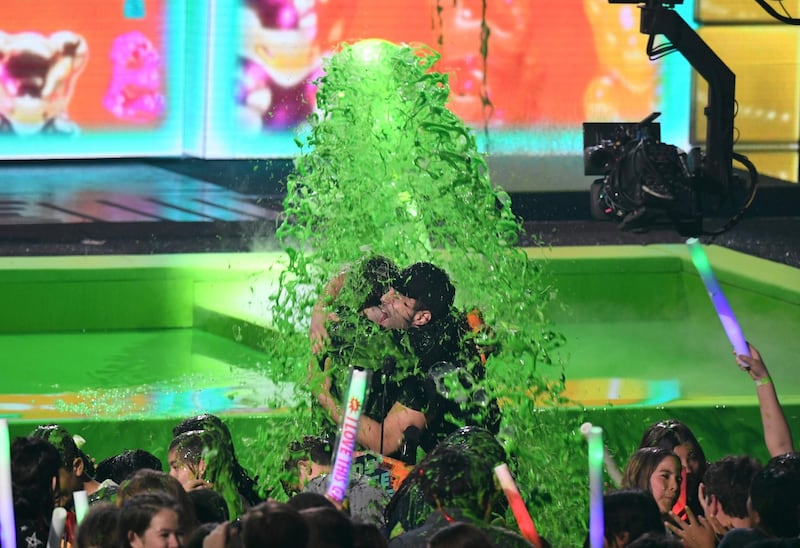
{"x": 136, "y": 513}
{"x": 34, "y": 465}
{"x": 245, "y": 484}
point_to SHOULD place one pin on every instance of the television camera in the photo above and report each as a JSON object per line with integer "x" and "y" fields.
{"x": 645, "y": 181}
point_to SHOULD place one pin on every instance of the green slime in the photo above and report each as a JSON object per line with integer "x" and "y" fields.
{"x": 385, "y": 168}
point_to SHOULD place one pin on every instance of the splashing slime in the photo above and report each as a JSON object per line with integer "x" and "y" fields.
{"x": 385, "y": 168}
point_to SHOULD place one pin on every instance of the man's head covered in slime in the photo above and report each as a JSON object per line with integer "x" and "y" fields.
{"x": 422, "y": 293}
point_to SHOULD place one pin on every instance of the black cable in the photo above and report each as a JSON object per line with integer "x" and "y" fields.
{"x": 753, "y": 174}
{"x": 780, "y": 17}
{"x": 655, "y": 52}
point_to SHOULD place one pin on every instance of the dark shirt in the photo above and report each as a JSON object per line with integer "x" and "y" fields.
{"x": 32, "y": 534}
{"x": 450, "y": 373}
{"x": 419, "y": 537}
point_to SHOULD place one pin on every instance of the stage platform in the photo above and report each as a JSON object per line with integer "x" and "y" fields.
{"x": 135, "y": 293}
{"x": 118, "y": 345}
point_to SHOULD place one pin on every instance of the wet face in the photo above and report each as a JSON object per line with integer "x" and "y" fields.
{"x": 373, "y": 313}
{"x": 178, "y": 468}
{"x": 689, "y": 459}
{"x": 397, "y": 311}
{"x": 665, "y": 483}
{"x": 164, "y": 531}
{"x": 68, "y": 483}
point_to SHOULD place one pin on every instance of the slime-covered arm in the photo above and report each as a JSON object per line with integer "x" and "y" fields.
{"x": 317, "y": 333}
{"x": 396, "y": 422}
{"x": 777, "y": 435}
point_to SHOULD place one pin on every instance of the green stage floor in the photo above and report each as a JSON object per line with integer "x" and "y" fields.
{"x": 120, "y": 348}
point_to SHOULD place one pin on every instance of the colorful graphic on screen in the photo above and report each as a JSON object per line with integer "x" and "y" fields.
{"x": 532, "y": 75}
{"x": 92, "y": 78}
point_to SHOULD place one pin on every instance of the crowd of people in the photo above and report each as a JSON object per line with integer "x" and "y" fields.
{"x": 423, "y": 475}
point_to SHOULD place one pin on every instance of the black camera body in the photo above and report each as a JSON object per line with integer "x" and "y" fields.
{"x": 643, "y": 181}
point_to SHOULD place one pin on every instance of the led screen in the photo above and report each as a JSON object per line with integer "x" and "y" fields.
{"x": 87, "y": 78}
{"x": 549, "y": 66}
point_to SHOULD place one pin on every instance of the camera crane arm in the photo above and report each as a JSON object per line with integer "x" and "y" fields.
{"x": 657, "y": 19}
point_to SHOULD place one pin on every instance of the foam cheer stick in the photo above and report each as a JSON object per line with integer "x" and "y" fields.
{"x": 8, "y": 528}
{"x": 723, "y": 308}
{"x": 57, "y": 522}
{"x": 81, "y": 501}
{"x": 524, "y": 521}
{"x": 608, "y": 459}
{"x": 594, "y": 436}
{"x": 348, "y": 432}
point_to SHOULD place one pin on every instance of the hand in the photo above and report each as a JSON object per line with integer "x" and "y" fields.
{"x": 753, "y": 365}
{"x": 697, "y": 533}
{"x": 194, "y": 484}
{"x": 317, "y": 333}
{"x": 720, "y": 529}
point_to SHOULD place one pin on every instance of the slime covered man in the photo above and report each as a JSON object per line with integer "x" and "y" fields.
{"x": 429, "y": 376}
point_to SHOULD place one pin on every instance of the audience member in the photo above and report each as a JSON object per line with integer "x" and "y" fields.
{"x": 460, "y": 535}
{"x": 120, "y": 467}
{"x": 657, "y": 471}
{"x": 197, "y": 539}
{"x": 270, "y": 523}
{"x": 777, "y": 435}
{"x": 305, "y": 500}
{"x": 99, "y": 528}
{"x": 209, "y": 506}
{"x": 146, "y": 481}
{"x": 459, "y": 484}
{"x": 74, "y": 473}
{"x": 245, "y": 484}
{"x": 675, "y": 436}
{"x": 151, "y": 520}
{"x": 627, "y": 515}
{"x": 409, "y": 507}
{"x": 774, "y": 504}
{"x": 365, "y": 497}
{"x": 368, "y": 535}
{"x": 35, "y": 465}
{"x": 200, "y": 459}
{"x": 724, "y": 492}
{"x": 328, "y": 527}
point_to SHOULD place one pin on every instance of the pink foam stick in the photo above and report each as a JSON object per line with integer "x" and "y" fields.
{"x": 518, "y": 508}
{"x": 343, "y": 456}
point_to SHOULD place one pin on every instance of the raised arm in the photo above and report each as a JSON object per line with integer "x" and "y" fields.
{"x": 321, "y": 313}
{"x": 777, "y": 434}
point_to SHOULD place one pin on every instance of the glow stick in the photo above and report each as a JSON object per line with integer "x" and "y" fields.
{"x": 524, "y": 521}
{"x": 57, "y": 523}
{"x": 343, "y": 456}
{"x": 81, "y": 500}
{"x": 8, "y": 527}
{"x": 608, "y": 459}
{"x": 723, "y": 308}
{"x": 596, "y": 525}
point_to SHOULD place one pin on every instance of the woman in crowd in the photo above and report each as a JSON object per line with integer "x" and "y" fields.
{"x": 657, "y": 471}
{"x": 151, "y": 520}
